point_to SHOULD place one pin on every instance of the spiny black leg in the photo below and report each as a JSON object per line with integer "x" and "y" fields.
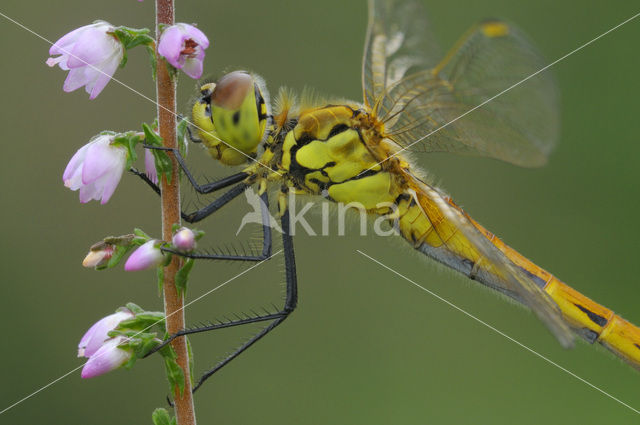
{"x": 290, "y": 303}
{"x": 145, "y": 179}
{"x": 278, "y": 317}
{"x": 205, "y": 188}
{"x": 213, "y": 206}
{"x": 266, "y": 241}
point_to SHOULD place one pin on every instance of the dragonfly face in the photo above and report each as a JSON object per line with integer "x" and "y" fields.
{"x": 232, "y": 110}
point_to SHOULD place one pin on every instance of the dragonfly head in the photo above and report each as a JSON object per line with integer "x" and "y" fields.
{"x": 231, "y": 116}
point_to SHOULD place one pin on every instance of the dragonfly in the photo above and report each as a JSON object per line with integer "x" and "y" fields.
{"x": 483, "y": 97}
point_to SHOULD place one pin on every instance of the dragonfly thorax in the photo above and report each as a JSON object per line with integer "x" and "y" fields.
{"x": 329, "y": 152}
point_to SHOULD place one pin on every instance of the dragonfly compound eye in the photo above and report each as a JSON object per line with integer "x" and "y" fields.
{"x": 231, "y": 117}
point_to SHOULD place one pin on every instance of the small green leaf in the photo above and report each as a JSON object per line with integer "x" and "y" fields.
{"x": 182, "y": 276}
{"x": 143, "y": 321}
{"x": 161, "y": 158}
{"x": 175, "y": 375}
{"x": 128, "y": 140}
{"x": 129, "y": 364}
{"x": 160, "y": 273}
{"x": 182, "y": 131}
{"x": 191, "y": 359}
{"x": 154, "y": 62}
{"x": 160, "y": 416}
{"x": 132, "y": 37}
{"x": 124, "y": 60}
{"x": 123, "y": 240}
{"x": 134, "y": 308}
{"x": 118, "y": 253}
{"x": 151, "y": 137}
{"x": 141, "y": 233}
{"x": 139, "y": 240}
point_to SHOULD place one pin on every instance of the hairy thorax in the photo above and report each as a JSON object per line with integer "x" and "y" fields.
{"x": 338, "y": 152}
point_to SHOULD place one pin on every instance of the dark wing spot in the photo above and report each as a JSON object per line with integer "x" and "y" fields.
{"x": 236, "y": 117}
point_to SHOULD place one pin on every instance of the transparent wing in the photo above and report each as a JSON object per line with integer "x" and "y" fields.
{"x": 438, "y": 110}
{"x": 398, "y": 42}
{"x": 464, "y": 239}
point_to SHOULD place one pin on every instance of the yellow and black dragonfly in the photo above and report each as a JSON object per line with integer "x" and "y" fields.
{"x": 477, "y": 99}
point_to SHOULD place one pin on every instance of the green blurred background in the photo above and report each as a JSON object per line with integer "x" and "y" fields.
{"x": 364, "y": 347}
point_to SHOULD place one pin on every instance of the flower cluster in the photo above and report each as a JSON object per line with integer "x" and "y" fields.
{"x": 104, "y": 353}
{"x": 91, "y": 54}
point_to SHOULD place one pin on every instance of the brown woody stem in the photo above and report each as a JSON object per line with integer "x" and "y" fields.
{"x": 173, "y": 301}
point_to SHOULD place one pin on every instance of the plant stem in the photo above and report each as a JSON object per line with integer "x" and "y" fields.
{"x": 173, "y": 302}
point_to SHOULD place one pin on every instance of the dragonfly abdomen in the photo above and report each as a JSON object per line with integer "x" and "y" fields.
{"x": 429, "y": 231}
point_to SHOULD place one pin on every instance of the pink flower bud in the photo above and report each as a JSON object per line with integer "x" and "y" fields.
{"x": 184, "y": 239}
{"x": 96, "y": 169}
{"x": 146, "y": 256}
{"x": 183, "y": 46}
{"x": 99, "y": 256}
{"x": 108, "y": 357}
{"x": 150, "y": 166}
{"x": 91, "y": 54}
{"x": 97, "y": 334}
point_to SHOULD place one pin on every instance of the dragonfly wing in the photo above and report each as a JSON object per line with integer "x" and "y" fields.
{"x": 466, "y": 241}
{"x": 485, "y": 97}
{"x": 398, "y": 42}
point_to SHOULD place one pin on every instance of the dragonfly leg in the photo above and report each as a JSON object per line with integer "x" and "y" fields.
{"x": 291, "y": 301}
{"x": 209, "y": 187}
{"x": 276, "y": 318}
{"x": 214, "y": 206}
{"x": 266, "y": 231}
{"x": 201, "y": 188}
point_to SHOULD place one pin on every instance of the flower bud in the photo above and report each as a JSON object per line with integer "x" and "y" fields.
{"x": 150, "y": 166}
{"x": 99, "y": 255}
{"x": 146, "y": 256}
{"x": 108, "y": 357}
{"x": 97, "y": 334}
{"x": 184, "y": 240}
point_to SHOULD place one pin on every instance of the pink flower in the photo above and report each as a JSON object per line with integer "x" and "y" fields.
{"x": 183, "y": 46}
{"x": 97, "y": 334}
{"x": 91, "y": 54}
{"x": 150, "y": 166}
{"x": 146, "y": 256}
{"x": 108, "y": 357}
{"x": 184, "y": 239}
{"x": 96, "y": 169}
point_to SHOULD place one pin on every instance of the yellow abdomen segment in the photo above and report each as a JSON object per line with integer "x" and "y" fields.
{"x": 591, "y": 320}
